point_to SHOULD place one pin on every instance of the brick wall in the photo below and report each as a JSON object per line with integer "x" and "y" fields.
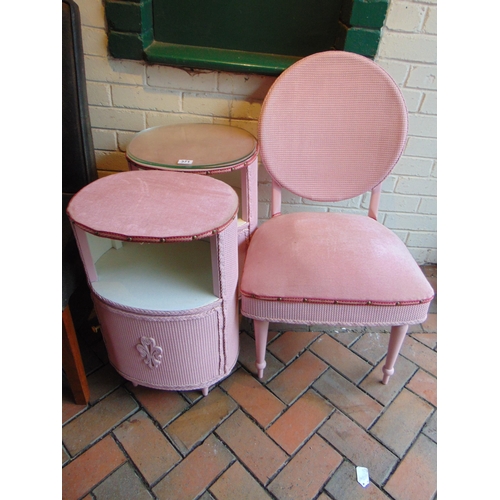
{"x": 128, "y": 96}
{"x": 407, "y": 51}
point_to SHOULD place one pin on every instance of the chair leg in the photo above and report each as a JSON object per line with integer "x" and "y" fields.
{"x": 260, "y": 330}
{"x": 398, "y": 334}
{"x": 72, "y": 360}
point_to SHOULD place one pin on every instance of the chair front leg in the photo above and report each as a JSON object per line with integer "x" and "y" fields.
{"x": 261, "y": 329}
{"x": 398, "y": 334}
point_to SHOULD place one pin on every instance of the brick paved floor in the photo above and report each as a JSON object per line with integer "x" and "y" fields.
{"x": 319, "y": 412}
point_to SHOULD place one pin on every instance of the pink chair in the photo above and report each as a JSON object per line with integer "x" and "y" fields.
{"x": 332, "y": 127}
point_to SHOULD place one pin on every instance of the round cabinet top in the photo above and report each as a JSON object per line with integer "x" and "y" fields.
{"x": 154, "y": 206}
{"x": 192, "y": 146}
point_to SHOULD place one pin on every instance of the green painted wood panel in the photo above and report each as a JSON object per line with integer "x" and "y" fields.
{"x": 368, "y": 13}
{"x": 218, "y": 59}
{"x": 285, "y": 27}
{"x": 362, "y": 41}
{"x": 256, "y": 36}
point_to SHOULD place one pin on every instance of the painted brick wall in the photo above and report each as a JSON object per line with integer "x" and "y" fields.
{"x": 128, "y": 96}
{"x": 407, "y": 51}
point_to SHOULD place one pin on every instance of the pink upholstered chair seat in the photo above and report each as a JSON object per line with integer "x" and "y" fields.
{"x": 308, "y": 258}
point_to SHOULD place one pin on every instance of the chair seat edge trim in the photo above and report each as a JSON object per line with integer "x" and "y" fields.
{"x": 337, "y": 302}
{"x": 333, "y": 314}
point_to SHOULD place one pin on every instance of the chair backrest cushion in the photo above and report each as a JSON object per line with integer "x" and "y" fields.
{"x": 332, "y": 126}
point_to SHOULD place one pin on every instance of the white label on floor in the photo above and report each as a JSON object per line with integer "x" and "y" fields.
{"x": 363, "y": 477}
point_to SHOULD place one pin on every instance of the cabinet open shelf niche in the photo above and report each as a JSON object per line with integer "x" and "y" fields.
{"x": 154, "y": 276}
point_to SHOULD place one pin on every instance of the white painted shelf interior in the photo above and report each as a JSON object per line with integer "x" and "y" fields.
{"x": 154, "y": 276}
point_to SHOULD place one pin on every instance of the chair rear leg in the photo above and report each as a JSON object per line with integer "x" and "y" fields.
{"x": 261, "y": 329}
{"x": 398, "y": 334}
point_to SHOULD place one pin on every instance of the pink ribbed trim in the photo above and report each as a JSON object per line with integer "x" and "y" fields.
{"x": 147, "y": 239}
{"x": 341, "y": 302}
{"x": 152, "y": 314}
{"x": 333, "y": 314}
{"x": 196, "y": 386}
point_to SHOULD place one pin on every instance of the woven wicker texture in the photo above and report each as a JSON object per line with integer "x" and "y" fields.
{"x": 332, "y": 126}
{"x": 183, "y": 365}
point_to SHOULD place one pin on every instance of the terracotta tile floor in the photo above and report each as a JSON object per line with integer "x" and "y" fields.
{"x": 298, "y": 434}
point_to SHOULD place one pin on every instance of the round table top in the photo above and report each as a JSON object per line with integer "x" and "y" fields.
{"x": 192, "y": 146}
{"x": 154, "y": 206}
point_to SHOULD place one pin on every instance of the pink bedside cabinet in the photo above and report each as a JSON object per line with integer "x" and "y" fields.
{"x": 204, "y": 149}
{"x": 161, "y": 256}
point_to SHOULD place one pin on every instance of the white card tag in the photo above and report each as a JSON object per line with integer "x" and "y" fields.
{"x": 363, "y": 477}
{"x": 184, "y": 162}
